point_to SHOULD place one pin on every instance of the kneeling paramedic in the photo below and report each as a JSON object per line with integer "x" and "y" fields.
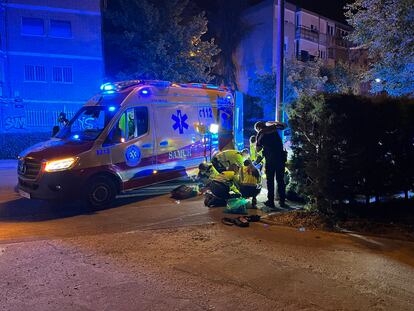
{"x": 249, "y": 182}
{"x": 224, "y": 159}
{"x": 221, "y": 184}
{"x": 206, "y": 172}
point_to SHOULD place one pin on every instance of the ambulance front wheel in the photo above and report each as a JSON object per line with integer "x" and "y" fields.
{"x": 101, "y": 191}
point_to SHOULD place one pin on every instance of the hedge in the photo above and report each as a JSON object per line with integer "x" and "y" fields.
{"x": 346, "y": 146}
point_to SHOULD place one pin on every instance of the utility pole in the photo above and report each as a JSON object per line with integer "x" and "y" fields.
{"x": 280, "y": 45}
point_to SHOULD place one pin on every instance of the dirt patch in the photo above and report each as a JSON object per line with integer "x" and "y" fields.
{"x": 301, "y": 219}
{"x": 390, "y": 230}
{"x": 371, "y": 226}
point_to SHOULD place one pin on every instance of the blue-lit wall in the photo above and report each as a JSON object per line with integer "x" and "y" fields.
{"x": 28, "y": 106}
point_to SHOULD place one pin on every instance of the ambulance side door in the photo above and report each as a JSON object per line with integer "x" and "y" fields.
{"x": 132, "y": 152}
{"x": 175, "y": 138}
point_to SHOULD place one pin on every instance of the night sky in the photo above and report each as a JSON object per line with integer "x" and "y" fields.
{"x": 329, "y": 8}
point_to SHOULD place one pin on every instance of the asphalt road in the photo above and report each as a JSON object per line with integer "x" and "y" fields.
{"x": 149, "y": 252}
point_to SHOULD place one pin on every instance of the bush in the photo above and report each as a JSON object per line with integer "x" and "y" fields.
{"x": 345, "y": 146}
{"x": 14, "y": 143}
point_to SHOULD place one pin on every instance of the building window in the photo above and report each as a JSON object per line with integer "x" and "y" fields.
{"x": 286, "y": 44}
{"x": 34, "y": 73}
{"x": 330, "y": 30}
{"x": 62, "y": 74}
{"x": 60, "y": 29}
{"x": 297, "y": 20}
{"x": 32, "y": 26}
{"x": 322, "y": 54}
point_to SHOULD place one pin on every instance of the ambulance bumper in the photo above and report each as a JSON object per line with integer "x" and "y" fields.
{"x": 52, "y": 186}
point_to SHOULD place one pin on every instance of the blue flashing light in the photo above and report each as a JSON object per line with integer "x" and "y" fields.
{"x": 211, "y": 86}
{"x": 76, "y": 136}
{"x": 229, "y": 97}
{"x": 108, "y": 87}
{"x": 144, "y": 92}
{"x": 112, "y": 108}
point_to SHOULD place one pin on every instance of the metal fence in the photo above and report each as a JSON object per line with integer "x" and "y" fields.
{"x": 18, "y": 117}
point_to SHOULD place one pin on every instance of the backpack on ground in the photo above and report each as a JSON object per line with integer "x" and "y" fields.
{"x": 183, "y": 192}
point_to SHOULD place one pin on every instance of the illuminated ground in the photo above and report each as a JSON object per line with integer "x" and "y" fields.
{"x": 155, "y": 254}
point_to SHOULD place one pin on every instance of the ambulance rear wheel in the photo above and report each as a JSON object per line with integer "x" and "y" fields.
{"x": 101, "y": 191}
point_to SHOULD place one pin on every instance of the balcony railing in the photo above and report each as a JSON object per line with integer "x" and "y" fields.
{"x": 314, "y": 35}
{"x": 307, "y": 33}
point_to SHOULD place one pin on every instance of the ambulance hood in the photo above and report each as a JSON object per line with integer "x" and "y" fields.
{"x": 55, "y": 148}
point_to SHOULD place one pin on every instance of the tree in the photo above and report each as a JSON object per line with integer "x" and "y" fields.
{"x": 227, "y": 26}
{"x": 386, "y": 29}
{"x": 342, "y": 78}
{"x": 157, "y": 39}
{"x": 302, "y": 78}
{"x": 347, "y": 146}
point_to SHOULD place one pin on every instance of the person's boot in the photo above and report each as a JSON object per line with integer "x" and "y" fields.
{"x": 254, "y": 203}
{"x": 282, "y": 203}
{"x": 270, "y": 204}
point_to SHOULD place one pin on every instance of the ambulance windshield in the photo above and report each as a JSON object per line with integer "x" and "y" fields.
{"x": 88, "y": 123}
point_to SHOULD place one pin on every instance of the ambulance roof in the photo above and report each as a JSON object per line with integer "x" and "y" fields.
{"x": 122, "y": 85}
{"x": 115, "y": 93}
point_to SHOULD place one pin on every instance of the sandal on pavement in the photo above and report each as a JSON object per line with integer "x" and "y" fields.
{"x": 241, "y": 221}
{"x": 227, "y": 221}
{"x": 253, "y": 218}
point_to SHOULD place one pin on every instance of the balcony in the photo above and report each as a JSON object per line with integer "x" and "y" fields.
{"x": 303, "y": 32}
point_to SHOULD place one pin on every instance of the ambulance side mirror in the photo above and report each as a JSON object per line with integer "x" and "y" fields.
{"x": 55, "y": 130}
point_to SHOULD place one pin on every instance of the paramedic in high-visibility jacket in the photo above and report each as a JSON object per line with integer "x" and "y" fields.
{"x": 256, "y": 156}
{"x": 223, "y": 160}
{"x": 269, "y": 140}
{"x": 249, "y": 181}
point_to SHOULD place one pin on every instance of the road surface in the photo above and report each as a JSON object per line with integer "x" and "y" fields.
{"x": 150, "y": 252}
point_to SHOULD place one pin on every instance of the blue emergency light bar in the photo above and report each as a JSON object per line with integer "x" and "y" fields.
{"x": 118, "y": 86}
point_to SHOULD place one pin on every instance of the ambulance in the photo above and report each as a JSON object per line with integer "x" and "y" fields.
{"x": 131, "y": 135}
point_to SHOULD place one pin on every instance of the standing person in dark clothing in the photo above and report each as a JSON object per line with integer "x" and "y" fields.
{"x": 270, "y": 141}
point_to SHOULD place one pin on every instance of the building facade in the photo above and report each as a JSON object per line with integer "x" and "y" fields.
{"x": 308, "y": 36}
{"x": 51, "y": 60}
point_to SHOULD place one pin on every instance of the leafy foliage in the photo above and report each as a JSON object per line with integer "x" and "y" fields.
{"x": 346, "y": 146}
{"x": 158, "y": 40}
{"x": 342, "y": 78}
{"x": 386, "y": 29}
{"x": 229, "y": 29}
{"x": 306, "y": 79}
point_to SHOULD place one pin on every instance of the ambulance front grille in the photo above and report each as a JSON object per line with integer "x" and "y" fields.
{"x": 28, "y": 168}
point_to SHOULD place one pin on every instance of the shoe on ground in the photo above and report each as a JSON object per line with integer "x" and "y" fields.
{"x": 282, "y": 204}
{"x": 270, "y": 204}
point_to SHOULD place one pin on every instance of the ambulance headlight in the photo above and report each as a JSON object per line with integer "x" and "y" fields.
{"x": 60, "y": 165}
{"x": 214, "y": 128}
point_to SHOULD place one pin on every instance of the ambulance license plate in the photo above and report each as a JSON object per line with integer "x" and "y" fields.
{"x": 24, "y": 194}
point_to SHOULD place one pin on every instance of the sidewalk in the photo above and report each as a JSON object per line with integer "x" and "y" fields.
{"x": 8, "y": 164}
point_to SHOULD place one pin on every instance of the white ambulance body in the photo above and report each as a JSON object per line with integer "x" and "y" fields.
{"x": 132, "y": 134}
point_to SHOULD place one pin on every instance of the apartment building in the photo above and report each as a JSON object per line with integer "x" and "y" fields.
{"x": 50, "y": 60}
{"x": 308, "y": 35}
